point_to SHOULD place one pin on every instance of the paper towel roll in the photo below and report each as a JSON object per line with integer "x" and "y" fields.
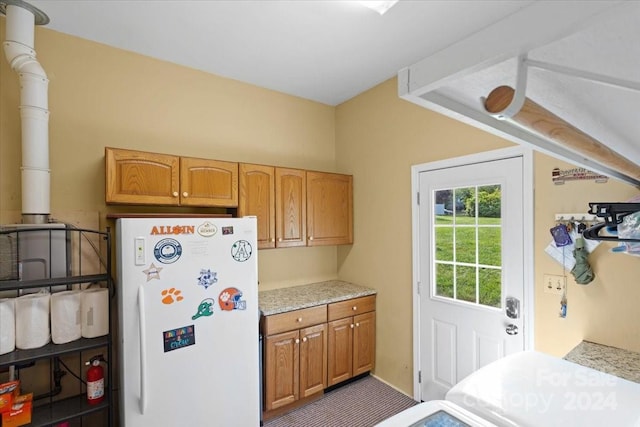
{"x": 95, "y": 312}
{"x": 32, "y": 320}
{"x": 7, "y": 325}
{"x": 65, "y": 316}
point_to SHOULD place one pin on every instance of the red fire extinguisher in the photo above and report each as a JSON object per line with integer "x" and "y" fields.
{"x": 95, "y": 381}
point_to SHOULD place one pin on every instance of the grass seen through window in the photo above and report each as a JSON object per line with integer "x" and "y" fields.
{"x": 459, "y": 261}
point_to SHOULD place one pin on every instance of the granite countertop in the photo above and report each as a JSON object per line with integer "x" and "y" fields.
{"x": 615, "y": 361}
{"x": 287, "y": 299}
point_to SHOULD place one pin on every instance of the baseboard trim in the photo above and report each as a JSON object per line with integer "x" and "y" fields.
{"x": 392, "y": 386}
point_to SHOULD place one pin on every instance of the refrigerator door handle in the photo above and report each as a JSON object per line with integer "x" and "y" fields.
{"x": 143, "y": 351}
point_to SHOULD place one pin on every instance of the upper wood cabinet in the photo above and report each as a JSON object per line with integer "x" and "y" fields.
{"x": 277, "y": 196}
{"x": 205, "y": 182}
{"x": 329, "y": 209}
{"x": 257, "y": 197}
{"x": 142, "y": 178}
{"x": 137, "y": 177}
{"x": 291, "y": 208}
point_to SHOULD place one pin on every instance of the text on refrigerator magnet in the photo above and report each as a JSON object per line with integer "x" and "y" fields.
{"x": 230, "y": 299}
{"x": 172, "y": 229}
{"x": 241, "y": 250}
{"x": 179, "y": 338}
{"x": 207, "y": 278}
{"x": 205, "y": 308}
{"x": 167, "y": 251}
{"x": 207, "y": 229}
{"x": 152, "y": 272}
{"x": 227, "y": 230}
{"x": 171, "y": 295}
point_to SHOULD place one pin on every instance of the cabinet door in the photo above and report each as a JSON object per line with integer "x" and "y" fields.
{"x": 313, "y": 360}
{"x": 257, "y": 197}
{"x": 206, "y": 182}
{"x": 329, "y": 209}
{"x": 281, "y": 366}
{"x": 141, "y": 178}
{"x": 291, "y": 208}
{"x": 364, "y": 343}
{"x": 340, "y": 351}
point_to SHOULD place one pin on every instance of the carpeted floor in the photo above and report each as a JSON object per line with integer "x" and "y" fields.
{"x": 363, "y": 403}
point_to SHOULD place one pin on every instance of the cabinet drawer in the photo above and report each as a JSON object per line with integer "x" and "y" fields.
{"x": 296, "y": 319}
{"x": 351, "y": 307}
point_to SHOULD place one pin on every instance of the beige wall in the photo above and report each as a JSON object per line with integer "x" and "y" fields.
{"x": 101, "y": 96}
{"x": 605, "y": 310}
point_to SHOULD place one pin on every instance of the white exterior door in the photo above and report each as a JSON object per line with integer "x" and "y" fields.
{"x": 470, "y": 269}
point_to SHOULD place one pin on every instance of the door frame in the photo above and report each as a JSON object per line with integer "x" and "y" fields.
{"x": 528, "y": 250}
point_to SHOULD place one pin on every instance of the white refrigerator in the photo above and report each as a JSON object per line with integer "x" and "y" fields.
{"x": 188, "y": 322}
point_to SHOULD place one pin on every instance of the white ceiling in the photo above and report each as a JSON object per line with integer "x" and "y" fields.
{"x": 331, "y": 50}
{"x": 327, "y": 51}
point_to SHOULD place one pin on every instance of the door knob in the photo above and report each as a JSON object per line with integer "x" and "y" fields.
{"x": 512, "y": 329}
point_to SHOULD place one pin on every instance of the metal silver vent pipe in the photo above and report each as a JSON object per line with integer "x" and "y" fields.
{"x": 34, "y": 107}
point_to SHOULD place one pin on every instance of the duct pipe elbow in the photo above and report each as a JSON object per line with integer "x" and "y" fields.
{"x": 22, "y": 59}
{"x": 13, "y": 50}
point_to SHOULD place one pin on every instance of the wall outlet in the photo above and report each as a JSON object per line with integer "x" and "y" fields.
{"x": 554, "y": 284}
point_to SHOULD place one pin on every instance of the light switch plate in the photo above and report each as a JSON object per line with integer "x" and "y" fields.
{"x": 139, "y": 251}
{"x": 554, "y": 284}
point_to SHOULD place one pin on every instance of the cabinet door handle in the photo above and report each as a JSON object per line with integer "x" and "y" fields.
{"x": 273, "y": 240}
{"x": 280, "y": 239}
{"x": 299, "y": 319}
{"x": 310, "y": 237}
{"x": 175, "y": 194}
{"x": 185, "y": 194}
{"x": 354, "y": 308}
{"x": 297, "y": 341}
{"x": 351, "y": 326}
{"x": 358, "y": 324}
{"x": 304, "y": 339}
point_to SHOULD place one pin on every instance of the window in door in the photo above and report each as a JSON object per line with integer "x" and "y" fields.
{"x": 467, "y": 231}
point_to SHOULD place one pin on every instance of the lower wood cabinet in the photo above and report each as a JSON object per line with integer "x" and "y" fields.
{"x": 351, "y": 345}
{"x": 295, "y": 365}
{"x": 308, "y": 350}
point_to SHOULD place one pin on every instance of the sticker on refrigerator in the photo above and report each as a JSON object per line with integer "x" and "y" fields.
{"x": 241, "y": 250}
{"x": 175, "y": 339}
{"x": 205, "y": 309}
{"x": 227, "y": 230}
{"x": 172, "y": 229}
{"x": 171, "y": 295}
{"x": 207, "y": 278}
{"x": 167, "y": 251}
{"x": 207, "y": 229}
{"x": 152, "y": 272}
{"x": 231, "y": 299}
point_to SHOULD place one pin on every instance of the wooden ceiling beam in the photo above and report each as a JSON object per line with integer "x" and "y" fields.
{"x": 535, "y": 118}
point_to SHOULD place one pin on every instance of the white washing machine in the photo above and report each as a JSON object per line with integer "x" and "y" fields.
{"x": 435, "y": 413}
{"x": 530, "y": 389}
{"x": 533, "y": 389}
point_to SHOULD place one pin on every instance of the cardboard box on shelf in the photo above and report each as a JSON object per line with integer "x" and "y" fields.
{"x": 8, "y": 392}
{"x": 20, "y": 413}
